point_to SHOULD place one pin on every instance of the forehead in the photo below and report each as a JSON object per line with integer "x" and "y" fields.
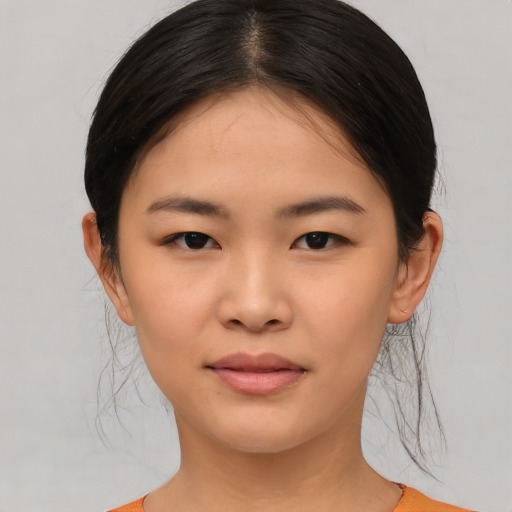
{"x": 254, "y": 104}
{"x": 253, "y": 141}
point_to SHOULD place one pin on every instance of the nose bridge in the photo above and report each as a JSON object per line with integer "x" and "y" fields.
{"x": 255, "y": 296}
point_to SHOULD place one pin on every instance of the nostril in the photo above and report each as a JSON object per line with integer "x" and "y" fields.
{"x": 269, "y": 323}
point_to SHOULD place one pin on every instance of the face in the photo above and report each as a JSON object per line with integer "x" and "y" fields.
{"x": 259, "y": 264}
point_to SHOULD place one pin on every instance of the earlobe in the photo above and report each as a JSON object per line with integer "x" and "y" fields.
{"x": 106, "y": 270}
{"x": 414, "y": 275}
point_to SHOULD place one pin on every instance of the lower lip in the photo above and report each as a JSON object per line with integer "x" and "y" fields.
{"x": 258, "y": 383}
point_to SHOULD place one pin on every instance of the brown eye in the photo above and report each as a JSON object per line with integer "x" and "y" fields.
{"x": 318, "y": 240}
{"x": 192, "y": 240}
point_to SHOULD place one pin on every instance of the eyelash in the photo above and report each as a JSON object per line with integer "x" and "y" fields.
{"x": 330, "y": 240}
{"x": 174, "y": 240}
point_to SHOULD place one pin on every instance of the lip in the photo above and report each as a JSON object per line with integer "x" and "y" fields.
{"x": 256, "y": 375}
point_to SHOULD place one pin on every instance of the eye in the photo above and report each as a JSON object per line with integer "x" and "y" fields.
{"x": 318, "y": 240}
{"x": 191, "y": 240}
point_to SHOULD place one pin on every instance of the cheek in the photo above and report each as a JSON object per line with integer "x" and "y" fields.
{"x": 345, "y": 336}
{"x": 170, "y": 324}
{"x": 347, "y": 313}
{"x": 171, "y": 309}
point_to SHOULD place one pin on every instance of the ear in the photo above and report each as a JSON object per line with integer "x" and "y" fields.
{"x": 414, "y": 275}
{"x": 107, "y": 271}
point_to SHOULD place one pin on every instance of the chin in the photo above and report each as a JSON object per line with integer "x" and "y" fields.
{"x": 263, "y": 437}
{"x": 258, "y": 444}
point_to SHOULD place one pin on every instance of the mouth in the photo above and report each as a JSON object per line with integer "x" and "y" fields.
{"x": 257, "y": 375}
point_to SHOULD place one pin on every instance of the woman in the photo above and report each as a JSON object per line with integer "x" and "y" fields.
{"x": 260, "y": 173}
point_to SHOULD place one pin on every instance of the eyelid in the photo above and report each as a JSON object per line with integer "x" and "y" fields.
{"x": 336, "y": 240}
{"x": 333, "y": 240}
{"x": 173, "y": 240}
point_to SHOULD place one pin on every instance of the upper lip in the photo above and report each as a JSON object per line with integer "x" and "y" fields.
{"x": 254, "y": 363}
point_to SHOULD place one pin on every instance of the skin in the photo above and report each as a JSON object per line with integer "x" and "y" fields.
{"x": 258, "y": 287}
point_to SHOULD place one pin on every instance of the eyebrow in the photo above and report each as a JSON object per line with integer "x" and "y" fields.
{"x": 321, "y": 204}
{"x": 209, "y": 209}
{"x": 189, "y": 205}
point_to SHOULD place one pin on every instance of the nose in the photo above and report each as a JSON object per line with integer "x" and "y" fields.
{"x": 255, "y": 297}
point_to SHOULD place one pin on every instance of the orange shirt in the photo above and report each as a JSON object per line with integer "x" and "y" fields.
{"x": 414, "y": 501}
{"x": 411, "y": 501}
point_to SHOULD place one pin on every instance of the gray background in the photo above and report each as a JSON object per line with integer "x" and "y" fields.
{"x": 54, "y": 56}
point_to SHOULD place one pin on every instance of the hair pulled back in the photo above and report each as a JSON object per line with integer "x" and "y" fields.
{"x": 324, "y": 50}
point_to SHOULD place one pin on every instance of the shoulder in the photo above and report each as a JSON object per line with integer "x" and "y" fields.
{"x": 414, "y": 501}
{"x": 134, "y": 506}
